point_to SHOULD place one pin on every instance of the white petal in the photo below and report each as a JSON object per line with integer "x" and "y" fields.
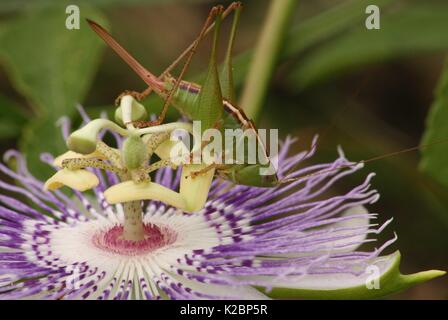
{"x": 224, "y": 291}
{"x": 333, "y": 281}
{"x": 72, "y": 244}
{"x": 360, "y": 225}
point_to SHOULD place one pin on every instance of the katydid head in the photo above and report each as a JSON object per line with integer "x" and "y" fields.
{"x": 250, "y": 175}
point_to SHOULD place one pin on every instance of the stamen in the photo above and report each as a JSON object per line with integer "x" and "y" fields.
{"x": 75, "y": 164}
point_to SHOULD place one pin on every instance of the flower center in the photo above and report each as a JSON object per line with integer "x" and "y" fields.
{"x": 155, "y": 237}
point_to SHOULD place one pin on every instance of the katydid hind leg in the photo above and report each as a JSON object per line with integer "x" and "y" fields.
{"x": 214, "y": 12}
{"x": 232, "y": 7}
{"x": 227, "y": 82}
{"x": 209, "y": 109}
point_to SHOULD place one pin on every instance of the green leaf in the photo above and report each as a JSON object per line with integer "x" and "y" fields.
{"x": 352, "y": 287}
{"x": 12, "y": 118}
{"x": 434, "y": 160}
{"x": 328, "y": 24}
{"x": 409, "y": 31}
{"x": 41, "y": 135}
{"x": 51, "y": 66}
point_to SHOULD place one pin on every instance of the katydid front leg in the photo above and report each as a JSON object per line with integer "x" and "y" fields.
{"x": 139, "y": 96}
{"x": 159, "y": 84}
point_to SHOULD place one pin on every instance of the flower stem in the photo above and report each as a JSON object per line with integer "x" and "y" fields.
{"x": 133, "y": 221}
{"x": 265, "y": 56}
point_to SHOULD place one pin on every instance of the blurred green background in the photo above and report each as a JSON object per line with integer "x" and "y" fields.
{"x": 371, "y": 91}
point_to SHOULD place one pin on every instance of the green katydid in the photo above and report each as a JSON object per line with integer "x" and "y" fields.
{"x": 213, "y": 104}
{"x": 132, "y": 163}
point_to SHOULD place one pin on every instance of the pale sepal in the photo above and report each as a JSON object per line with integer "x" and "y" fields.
{"x": 131, "y": 191}
{"x": 80, "y": 180}
{"x": 195, "y": 189}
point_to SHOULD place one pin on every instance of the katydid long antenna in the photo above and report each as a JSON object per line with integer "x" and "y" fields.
{"x": 376, "y": 158}
{"x": 328, "y": 128}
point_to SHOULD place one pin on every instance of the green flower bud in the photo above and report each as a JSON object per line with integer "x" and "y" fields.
{"x": 138, "y": 111}
{"x": 133, "y": 152}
